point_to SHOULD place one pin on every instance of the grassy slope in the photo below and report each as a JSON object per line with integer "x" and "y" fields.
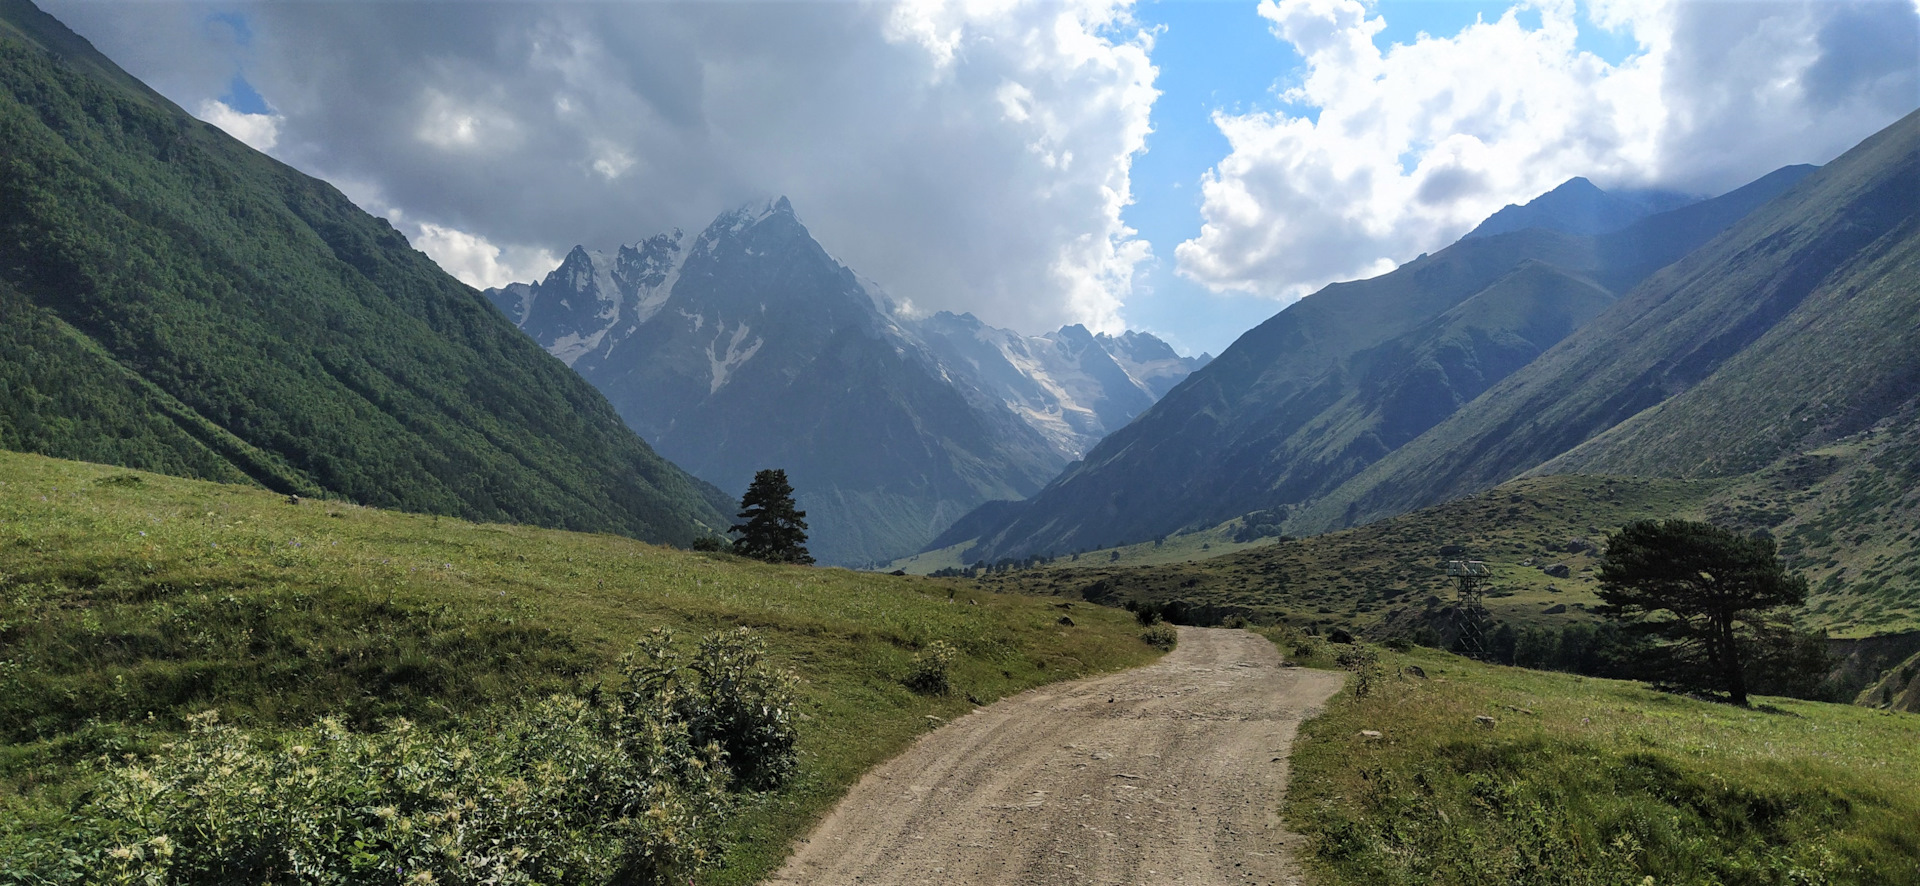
{"x": 189, "y": 305}
{"x": 123, "y": 594}
{"x": 1847, "y": 516}
{"x": 1185, "y": 547}
{"x": 1898, "y": 689}
{"x": 1584, "y": 781}
{"x": 1365, "y": 577}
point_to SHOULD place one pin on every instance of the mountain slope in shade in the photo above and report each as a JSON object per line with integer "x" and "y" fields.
{"x": 748, "y": 346}
{"x": 1798, "y": 326}
{"x": 179, "y": 302}
{"x": 1337, "y": 381}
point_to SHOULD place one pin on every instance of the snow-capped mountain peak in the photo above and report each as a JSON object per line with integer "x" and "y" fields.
{"x": 748, "y": 345}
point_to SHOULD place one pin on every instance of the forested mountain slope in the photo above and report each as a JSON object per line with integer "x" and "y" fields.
{"x": 177, "y": 301}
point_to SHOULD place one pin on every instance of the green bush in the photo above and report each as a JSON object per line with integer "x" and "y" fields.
{"x": 728, "y": 695}
{"x": 1161, "y": 637}
{"x": 1365, "y": 665}
{"x": 630, "y": 788}
{"x": 931, "y": 669}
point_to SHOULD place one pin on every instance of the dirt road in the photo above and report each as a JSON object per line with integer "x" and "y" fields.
{"x": 1171, "y": 773}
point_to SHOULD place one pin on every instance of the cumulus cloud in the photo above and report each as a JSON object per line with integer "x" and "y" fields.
{"x": 1076, "y": 86}
{"x": 260, "y": 131}
{"x": 1380, "y": 153}
{"x": 967, "y": 156}
{"x": 478, "y": 263}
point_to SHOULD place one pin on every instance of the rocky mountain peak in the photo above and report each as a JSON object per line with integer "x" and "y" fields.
{"x": 698, "y": 339}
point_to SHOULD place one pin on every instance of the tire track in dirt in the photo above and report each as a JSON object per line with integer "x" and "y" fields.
{"x": 1169, "y": 773}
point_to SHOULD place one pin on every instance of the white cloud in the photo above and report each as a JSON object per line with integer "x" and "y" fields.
{"x": 969, "y": 156}
{"x": 1379, "y": 154}
{"x": 477, "y": 262}
{"x": 260, "y": 131}
{"x": 1075, "y": 86}
{"x": 610, "y": 161}
{"x": 452, "y": 123}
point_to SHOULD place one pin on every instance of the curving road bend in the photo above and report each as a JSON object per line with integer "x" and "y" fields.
{"x": 1169, "y": 773}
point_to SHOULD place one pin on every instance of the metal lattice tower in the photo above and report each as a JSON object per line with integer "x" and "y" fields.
{"x": 1470, "y": 616}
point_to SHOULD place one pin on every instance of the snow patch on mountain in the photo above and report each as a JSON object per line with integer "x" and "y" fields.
{"x": 723, "y": 363}
{"x": 572, "y": 346}
{"x": 1071, "y": 385}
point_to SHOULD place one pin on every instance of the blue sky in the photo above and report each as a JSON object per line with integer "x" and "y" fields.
{"x": 968, "y": 157}
{"x": 1218, "y": 55}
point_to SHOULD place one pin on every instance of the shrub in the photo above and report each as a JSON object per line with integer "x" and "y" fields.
{"x": 1146, "y": 616}
{"x": 1365, "y": 665}
{"x": 930, "y": 672}
{"x": 1161, "y": 637}
{"x": 626, "y": 789}
{"x": 560, "y": 791}
{"x": 746, "y": 706}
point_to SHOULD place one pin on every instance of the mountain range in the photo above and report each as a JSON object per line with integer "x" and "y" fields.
{"x": 178, "y": 302}
{"x": 1343, "y": 378}
{"x": 1763, "y": 342}
{"x": 748, "y": 346}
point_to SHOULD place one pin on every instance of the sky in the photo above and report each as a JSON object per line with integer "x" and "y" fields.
{"x": 1185, "y": 167}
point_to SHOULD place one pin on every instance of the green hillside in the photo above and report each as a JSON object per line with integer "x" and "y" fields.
{"x": 179, "y": 302}
{"x": 130, "y": 601}
{"x": 1387, "y": 576}
{"x": 1792, "y": 330}
{"x": 1477, "y": 775}
{"x": 1898, "y": 689}
{"x": 1844, "y": 514}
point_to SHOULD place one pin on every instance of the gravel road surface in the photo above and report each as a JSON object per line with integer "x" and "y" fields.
{"x": 1169, "y": 773}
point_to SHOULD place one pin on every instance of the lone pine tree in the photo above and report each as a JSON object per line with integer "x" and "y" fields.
{"x": 774, "y": 530}
{"x": 1717, "y": 597}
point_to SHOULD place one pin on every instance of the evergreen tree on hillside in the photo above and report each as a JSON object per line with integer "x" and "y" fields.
{"x": 774, "y": 530}
{"x": 1716, "y": 596}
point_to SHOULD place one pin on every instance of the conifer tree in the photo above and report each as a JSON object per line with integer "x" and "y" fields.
{"x": 774, "y": 530}
{"x": 1718, "y": 597}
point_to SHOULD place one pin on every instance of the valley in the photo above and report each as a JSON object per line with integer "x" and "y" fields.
{"x": 368, "y": 500}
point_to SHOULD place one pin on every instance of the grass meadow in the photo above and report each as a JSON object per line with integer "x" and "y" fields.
{"x": 1573, "y": 780}
{"x": 130, "y": 602}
